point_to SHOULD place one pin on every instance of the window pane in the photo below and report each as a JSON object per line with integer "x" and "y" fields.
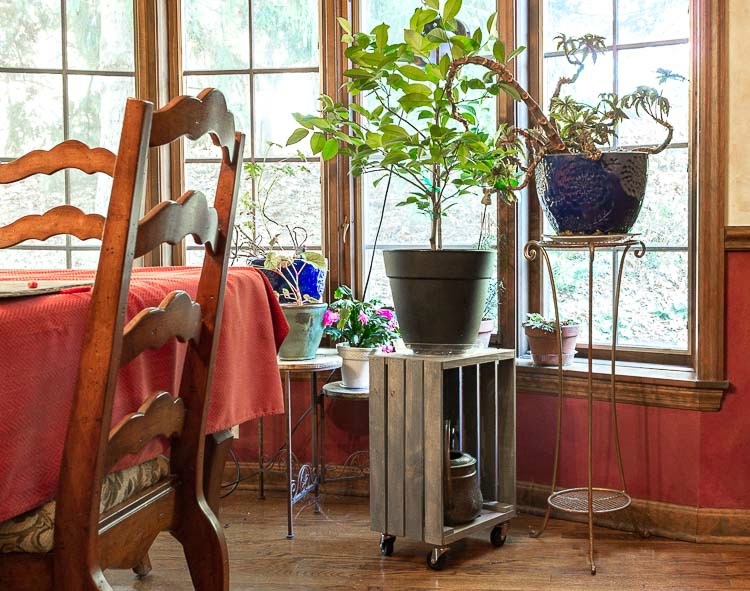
{"x": 654, "y": 302}
{"x": 16, "y": 258}
{"x": 633, "y": 73}
{"x": 576, "y": 17}
{"x": 194, "y": 257}
{"x": 655, "y": 20}
{"x": 216, "y": 35}
{"x": 664, "y": 217}
{"x": 32, "y": 196}
{"x": 294, "y": 201}
{"x": 379, "y": 286}
{"x": 97, "y": 106}
{"x": 571, "y": 271}
{"x": 394, "y": 12}
{"x": 90, "y": 193}
{"x": 202, "y": 177}
{"x": 401, "y": 225}
{"x": 100, "y": 34}
{"x": 84, "y": 259}
{"x": 277, "y": 96}
{"x": 30, "y": 34}
{"x": 236, "y": 89}
{"x": 285, "y": 33}
{"x": 31, "y": 113}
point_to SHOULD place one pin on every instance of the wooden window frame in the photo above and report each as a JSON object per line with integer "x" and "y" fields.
{"x": 699, "y": 383}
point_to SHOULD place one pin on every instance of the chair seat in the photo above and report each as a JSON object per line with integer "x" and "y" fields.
{"x": 33, "y": 531}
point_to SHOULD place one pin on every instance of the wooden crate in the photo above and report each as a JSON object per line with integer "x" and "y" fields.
{"x": 410, "y": 397}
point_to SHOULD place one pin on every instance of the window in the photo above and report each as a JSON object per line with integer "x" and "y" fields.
{"x": 641, "y": 37}
{"x": 266, "y": 62}
{"x": 66, "y": 69}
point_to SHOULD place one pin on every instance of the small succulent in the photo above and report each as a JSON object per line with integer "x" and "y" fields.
{"x": 539, "y": 322}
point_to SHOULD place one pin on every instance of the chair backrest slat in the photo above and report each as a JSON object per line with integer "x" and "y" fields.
{"x": 63, "y": 219}
{"x": 68, "y": 154}
{"x": 160, "y": 416}
{"x": 171, "y": 221}
{"x": 177, "y": 316}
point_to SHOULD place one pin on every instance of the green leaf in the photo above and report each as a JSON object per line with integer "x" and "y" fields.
{"x": 418, "y": 89}
{"x": 518, "y": 50}
{"x": 492, "y": 24}
{"x": 344, "y": 24}
{"x": 315, "y": 259}
{"x": 413, "y": 73}
{"x": 381, "y": 35}
{"x": 498, "y": 50}
{"x": 297, "y": 136}
{"x": 512, "y": 92}
{"x": 394, "y": 130}
{"x": 394, "y": 158}
{"x": 317, "y": 142}
{"x": 355, "y": 73}
{"x": 433, "y": 4}
{"x": 330, "y": 149}
{"x": 452, "y": 8}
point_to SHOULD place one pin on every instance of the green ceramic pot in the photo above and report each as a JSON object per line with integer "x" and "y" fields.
{"x": 305, "y": 331}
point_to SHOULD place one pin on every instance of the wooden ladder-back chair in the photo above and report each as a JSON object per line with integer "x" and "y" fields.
{"x": 86, "y": 542}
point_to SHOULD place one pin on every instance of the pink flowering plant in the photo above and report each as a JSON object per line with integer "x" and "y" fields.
{"x": 360, "y": 324}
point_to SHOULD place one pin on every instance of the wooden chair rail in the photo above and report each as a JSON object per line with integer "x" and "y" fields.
{"x": 171, "y": 221}
{"x": 64, "y": 219}
{"x": 68, "y": 154}
{"x": 177, "y": 316}
{"x": 195, "y": 117}
{"x": 160, "y": 416}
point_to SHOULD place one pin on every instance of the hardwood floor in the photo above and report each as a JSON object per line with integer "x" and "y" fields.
{"x": 337, "y": 551}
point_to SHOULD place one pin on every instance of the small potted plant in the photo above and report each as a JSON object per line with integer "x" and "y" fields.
{"x": 257, "y": 232}
{"x": 488, "y": 316}
{"x": 361, "y": 328}
{"x": 543, "y": 339}
{"x": 303, "y": 313}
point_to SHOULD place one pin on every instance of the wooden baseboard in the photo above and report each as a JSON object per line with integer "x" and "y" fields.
{"x": 679, "y": 522}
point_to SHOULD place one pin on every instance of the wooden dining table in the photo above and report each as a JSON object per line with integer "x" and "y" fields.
{"x": 40, "y": 343}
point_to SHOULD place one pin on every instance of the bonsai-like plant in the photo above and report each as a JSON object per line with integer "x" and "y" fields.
{"x": 539, "y": 322}
{"x": 360, "y": 324}
{"x": 572, "y": 127}
{"x": 259, "y": 236}
{"x": 403, "y": 125}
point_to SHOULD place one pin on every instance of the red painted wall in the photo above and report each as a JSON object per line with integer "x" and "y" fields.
{"x": 683, "y": 457}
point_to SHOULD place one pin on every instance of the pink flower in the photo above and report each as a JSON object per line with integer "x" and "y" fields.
{"x": 387, "y": 348}
{"x": 363, "y": 319}
{"x": 386, "y": 313}
{"x": 330, "y": 318}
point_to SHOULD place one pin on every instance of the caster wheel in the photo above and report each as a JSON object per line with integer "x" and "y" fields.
{"x": 436, "y": 565}
{"x": 497, "y": 537}
{"x": 386, "y": 546}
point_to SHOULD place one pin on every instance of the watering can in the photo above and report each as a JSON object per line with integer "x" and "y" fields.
{"x": 462, "y": 495}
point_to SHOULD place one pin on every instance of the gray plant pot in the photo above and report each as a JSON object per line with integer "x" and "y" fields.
{"x": 439, "y": 296}
{"x": 305, "y": 331}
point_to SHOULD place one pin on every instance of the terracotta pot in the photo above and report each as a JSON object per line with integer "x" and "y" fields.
{"x": 543, "y": 345}
{"x": 485, "y": 333}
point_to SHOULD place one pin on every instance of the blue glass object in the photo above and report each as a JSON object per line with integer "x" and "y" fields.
{"x": 312, "y": 281}
{"x": 584, "y": 196}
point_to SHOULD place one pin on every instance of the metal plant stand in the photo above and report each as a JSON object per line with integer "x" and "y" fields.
{"x": 307, "y": 480}
{"x": 589, "y": 499}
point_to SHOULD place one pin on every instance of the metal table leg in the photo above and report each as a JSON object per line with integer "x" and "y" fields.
{"x": 315, "y": 458}
{"x": 290, "y": 479}
{"x": 261, "y": 466}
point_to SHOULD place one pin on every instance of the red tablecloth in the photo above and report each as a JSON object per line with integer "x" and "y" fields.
{"x": 40, "y": 345}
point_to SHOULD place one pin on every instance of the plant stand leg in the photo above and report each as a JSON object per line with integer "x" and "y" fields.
{"x": 290, "y": 476}
{"x": 261, "y": 466}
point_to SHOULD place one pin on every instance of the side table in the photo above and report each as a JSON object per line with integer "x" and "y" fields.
{"x": 308, "y": 477}
{"x": 337, "y": 391}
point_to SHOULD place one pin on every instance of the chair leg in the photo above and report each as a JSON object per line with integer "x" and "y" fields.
{"x": 217, "y": 447}
{"x": 205, "y": 548}
{"x": 143, "y": 568}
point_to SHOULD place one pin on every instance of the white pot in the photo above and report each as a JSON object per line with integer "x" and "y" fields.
{"x": 355, "y": 369}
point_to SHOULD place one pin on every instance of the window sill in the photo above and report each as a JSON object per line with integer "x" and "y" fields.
{"x": 637, "y": 383}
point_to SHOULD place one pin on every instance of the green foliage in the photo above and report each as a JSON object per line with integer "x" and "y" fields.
{"x": 547, "y": 325}
{"x": 360, "y": 324}
{"x": 402, "y": 121}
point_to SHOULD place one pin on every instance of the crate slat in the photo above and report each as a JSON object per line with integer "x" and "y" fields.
{"x": 378, "y": 421}
{"x": 414, "y": 486}
{"x": 396, "y": 439}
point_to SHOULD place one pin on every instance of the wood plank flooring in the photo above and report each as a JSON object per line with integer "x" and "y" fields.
{"x": 337, "y": 551}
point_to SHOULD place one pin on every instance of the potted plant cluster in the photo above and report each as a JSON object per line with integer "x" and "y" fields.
{"x": 543, "y": 339}
{"x": 360, "y": 329}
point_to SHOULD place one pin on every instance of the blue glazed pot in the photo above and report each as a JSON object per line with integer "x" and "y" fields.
{"x": 584, "y": 196}
{"x": 312, "y": 281}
